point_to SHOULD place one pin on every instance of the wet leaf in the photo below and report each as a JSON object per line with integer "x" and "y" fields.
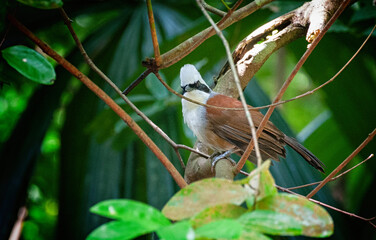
{"x": 129, "y": 210}
{"x": 315, "y": 220}
{"x": 203, "y": 194}
{"x": 30, "y": 64}
{"x": 271, "y": 222}
{"x": 229, "y": 211}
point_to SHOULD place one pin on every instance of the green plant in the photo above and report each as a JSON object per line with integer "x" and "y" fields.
{"x": 214, "y": 209}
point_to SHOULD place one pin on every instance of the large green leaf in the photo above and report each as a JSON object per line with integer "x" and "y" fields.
{"x": 315, "y": 220}
{"x": 202, "y": 194}
{"x": 119, "y": 230}
{"x": 271, "y": 222}
{"x": 30, "y": 64}
{"x": 129, "y": 210}
{"x": 43, "y": 4}
{"x": 221, "y": 229}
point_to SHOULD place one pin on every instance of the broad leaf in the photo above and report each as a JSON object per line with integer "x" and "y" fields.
{"x": 221, "y": 229}
{"x": 315, "y": 220}
{"x": 216, "y": 213}
{"x": 178, "y": 231}
{"x": 43, "y": 4}
{"x": 30, "y": 63}
{"x": 271, "y": 222}
{"x": 129, "y": 210}
{"x": 202, "y": 194}
{"x": 119, "y": 230}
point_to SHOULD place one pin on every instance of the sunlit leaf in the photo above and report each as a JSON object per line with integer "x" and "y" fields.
{"x": 178, "y": 231}
{"x": 271, "y": 222}
{"x": 43, "y": 4}
{"x": 202, "y": 194}
{"x": 216, "y": 213}
{"x": 129, "y": 210}
{"x": 30, "y": 63}
{"x": 119, "y": 230}
{"x": 223, "y": 229}
{"x": 315, "y": 220}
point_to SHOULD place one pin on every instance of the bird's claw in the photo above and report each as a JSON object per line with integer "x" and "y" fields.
{"x": 215, "y": 157}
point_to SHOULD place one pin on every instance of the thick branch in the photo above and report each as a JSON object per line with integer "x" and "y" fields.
{"x": 186, "y": 47}
{"x": 249, "y": 56}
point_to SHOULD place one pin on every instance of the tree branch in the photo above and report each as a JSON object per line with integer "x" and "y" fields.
{"x": 186, "y": 47}
{"x": 153, "y": 34}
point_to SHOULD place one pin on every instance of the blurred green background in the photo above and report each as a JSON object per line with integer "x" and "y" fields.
{"x": 62, "y": 150}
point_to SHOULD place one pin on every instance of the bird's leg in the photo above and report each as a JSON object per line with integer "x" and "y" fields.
{"x": 215, "y": 157}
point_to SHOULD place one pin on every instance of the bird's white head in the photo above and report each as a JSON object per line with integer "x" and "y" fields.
{"x": 191, "y": 80}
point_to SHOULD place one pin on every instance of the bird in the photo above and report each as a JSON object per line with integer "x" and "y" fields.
{"x": 227, "y": 131}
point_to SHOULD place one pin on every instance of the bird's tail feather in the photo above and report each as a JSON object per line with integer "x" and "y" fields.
{"x": 305, "y": 153}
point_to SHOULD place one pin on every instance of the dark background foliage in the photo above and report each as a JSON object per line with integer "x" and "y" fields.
{"x": 62, "y": 150}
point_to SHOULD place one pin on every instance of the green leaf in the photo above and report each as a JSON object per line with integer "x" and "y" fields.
{"x": 225, "y": 228}
{"x": 129, "y": 210}
{"x": 271, "y": 222}
{"x": 202, "y": 194}
{"x": 43, "y": 4}
{"x": 315, "y": 220}
{"x": 119, "y": 230}
{"x": 30, "y": 63}
{"x": 216, "y": 213}
{"x": 260, "y": 182}
{"x": 178, "y": 231}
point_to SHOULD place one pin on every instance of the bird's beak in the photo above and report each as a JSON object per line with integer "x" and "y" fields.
{"x": 184, "y": 91}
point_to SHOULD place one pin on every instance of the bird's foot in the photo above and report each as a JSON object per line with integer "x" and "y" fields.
{"x": 215, "y": 157}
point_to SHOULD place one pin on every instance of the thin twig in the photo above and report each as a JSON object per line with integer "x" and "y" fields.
{"x": 153, "y": 31}
{"x": 18, "y": 225}
{"x": 327, "y": 82}
{"x": 283, "y": 89}
{"x": 213, "y": 9}
{"x": 236, "y": 78}
{"x": 107, "y": 99}
{"x": 334, "y": 178}
{"x": 329, "y": 206}
{"x": 5, "y": 35}
{"x": 343, "y": 164}
{"x": 137, "y": 81}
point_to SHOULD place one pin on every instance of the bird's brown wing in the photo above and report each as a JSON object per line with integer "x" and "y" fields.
{"x": 233, "y": 126}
